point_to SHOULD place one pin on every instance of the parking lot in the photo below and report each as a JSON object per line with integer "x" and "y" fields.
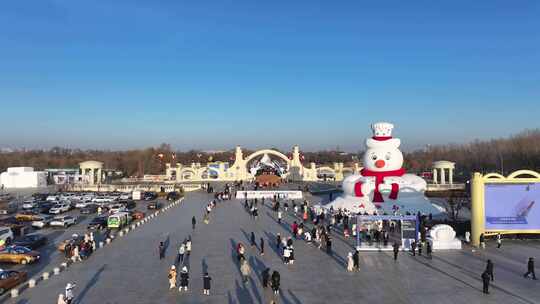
{"x": 50, "y": 256}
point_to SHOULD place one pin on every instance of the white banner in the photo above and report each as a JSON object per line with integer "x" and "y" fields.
{"x": 269, "y": 194}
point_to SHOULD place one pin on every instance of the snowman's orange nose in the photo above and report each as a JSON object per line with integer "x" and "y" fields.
{"x": 380, "y": 163}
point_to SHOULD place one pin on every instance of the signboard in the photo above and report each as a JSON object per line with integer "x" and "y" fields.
{"x": 408, "y": 229}
{"x": 269, "y": 194}
{"x": 512, "y": 206}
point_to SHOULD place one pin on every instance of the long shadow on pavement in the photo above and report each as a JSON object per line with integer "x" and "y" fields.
{"x": 90, "y": 284}
{"x": 242, "y": 293}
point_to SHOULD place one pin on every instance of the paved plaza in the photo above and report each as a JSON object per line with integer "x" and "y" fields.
{"x": 129, "y": 270}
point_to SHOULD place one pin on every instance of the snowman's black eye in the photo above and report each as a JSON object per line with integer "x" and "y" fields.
{"x": 374, "y": 157}
{"x": 387, "y": 157}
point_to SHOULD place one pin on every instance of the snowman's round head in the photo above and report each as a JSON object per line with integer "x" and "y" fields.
{"x": 383, "y": 152}
{"x": 383, "y": 155}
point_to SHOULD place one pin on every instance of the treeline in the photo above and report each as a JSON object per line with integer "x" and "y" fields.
{"x": 521, "y": 151}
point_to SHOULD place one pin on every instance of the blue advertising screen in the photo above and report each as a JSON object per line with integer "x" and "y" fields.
{"x": 512, "y": 206}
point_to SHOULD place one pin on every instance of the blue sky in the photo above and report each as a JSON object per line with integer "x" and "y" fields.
{"x": 214, "y": 74}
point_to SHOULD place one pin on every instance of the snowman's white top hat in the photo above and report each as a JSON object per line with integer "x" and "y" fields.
{"x": 382, "y": 131}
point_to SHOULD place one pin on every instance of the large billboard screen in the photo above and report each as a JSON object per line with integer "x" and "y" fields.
{"x": 512, "y": 206}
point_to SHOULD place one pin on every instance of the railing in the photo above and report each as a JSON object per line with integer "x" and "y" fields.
{"x": 442, "y": 187}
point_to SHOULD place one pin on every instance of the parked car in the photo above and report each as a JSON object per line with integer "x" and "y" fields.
{"x": 45, "y": 206}
{"x": 99, "y": 222}
{"x": 31, "y": 241}
{"x": 18, "y": 255}
{"x": 137, "y": 215}
{"x": 62, "y": 221}
{"x": 27, "y": 205}
{"x": 82, "y": 204}
{"x": 52, "y": 198}
{"x": 6, "y": 235}
{"x": 26, "y": 216}
{"x": 60, "y": 208}
{"x": 125, "y": 196}
{"x": 42, "y": 221}
{"x": 89, "y": 209}
{"x": 150, "y": 196}
{"x": 10, "y": 279}
{"x": 116, "y": 208}
{"x": 40, "y": 196}
{"x": 129, "y": 204}
{"x": 154, "y": 205}
{"x": 8, "y": 207}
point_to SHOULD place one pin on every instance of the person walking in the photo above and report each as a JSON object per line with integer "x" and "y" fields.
{"x": 482, "y": 241}
{"x": 485, "y": 281}
{"x": 468, "y": 237}
{"x": 172, "y": 277}
{"x": 420, "y": 248}
{"x": 396, "y": 250}
{"x": 356, "y": 260}
{"x": 76, "y": 257}
{"x": 262, "y": 246}
{"x": 265, "y": 275}
{"x": 245, "y": 270}
{"x": 161, "y": 250}
{"x": 328, "y": 245}
{"x": 489, "y": 269}
{"x": 350, "y": 262}
{"x": 252, "y": 240}
{"x": 206, "y": 284}
{"x": 499, "y": 240}
{"x": 181, "y": 252}
{"x": 413, "y": 248}
{"x": 530, "y": 269}
{"x": 69, "y": 293}
{"x": 275, "y": 281}
{"x": 279, "y": 216}
{"x": 428, "y": 250}
{"x": 184, "y": 279}
{"x": 278, "y": 241}
{"x": 193, "y": 222}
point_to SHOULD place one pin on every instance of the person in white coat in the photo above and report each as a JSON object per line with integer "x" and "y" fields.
{"x": 350, "y": 262}
{"x": 69, "y": 293}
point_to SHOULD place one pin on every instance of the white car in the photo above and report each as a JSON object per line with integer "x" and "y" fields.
{"x": 125, "y": 196}
{"x": 62, "y": 221}
{"x": 29, "y": 205}
{"x": 82, "y": 204}
{"x": 117, "y": 208}
{"x": 51, "y": 198}
{"x": 44, "y": 221}
{"x": 60, "y": 208}
{"x": 6, "y": 235}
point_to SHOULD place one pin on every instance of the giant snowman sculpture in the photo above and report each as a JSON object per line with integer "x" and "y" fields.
{"x": 383, "y": 185}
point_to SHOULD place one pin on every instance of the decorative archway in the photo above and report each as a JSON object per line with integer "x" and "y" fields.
{"x": 269, "y": 152}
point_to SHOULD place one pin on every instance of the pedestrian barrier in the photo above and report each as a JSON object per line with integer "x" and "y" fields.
{"x": 100, "y": 244}
{"x": 121, "y": 233}
{"x": 45, "y": 276}
{"x": 108, "y": 241}
{"x": 31, "y": 283}
{"x": 65, "y": 265}
{"x": 14, "y": 293}
{"x": 56, "y": 271}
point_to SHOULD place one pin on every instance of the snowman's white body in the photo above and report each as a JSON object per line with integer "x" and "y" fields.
{"x": 382, "y": 156}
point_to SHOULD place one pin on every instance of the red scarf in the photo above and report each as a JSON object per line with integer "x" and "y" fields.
{"x": 379, "y": 177}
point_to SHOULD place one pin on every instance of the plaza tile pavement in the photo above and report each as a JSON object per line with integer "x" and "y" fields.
{"x": 129, "y": 271}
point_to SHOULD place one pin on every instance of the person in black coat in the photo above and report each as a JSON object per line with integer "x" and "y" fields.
{"x": 428, "y": 249}
{"x": 530, "y": 269}
{"x": 265, "y": 277}
{"x": 356, "y": 260}
{"x": 206, "y": 284}
{"x": 328, "y": 245}
{"x": 275, "y": 281}
{"x": 396, "y": 250}
{"x": 485, "y": 281}
{"x": 278, "y": 241}
{"x": 161, "y": 250}
{"x": 413, "y": 248}
{"x": 193, "y": 222}
{"x": 252, "y": 239}
{"x": 489, "y": 269}
{"x": 262, "y": 246}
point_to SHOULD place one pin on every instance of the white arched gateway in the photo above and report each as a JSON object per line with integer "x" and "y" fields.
{"x": 239, "y": 170}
